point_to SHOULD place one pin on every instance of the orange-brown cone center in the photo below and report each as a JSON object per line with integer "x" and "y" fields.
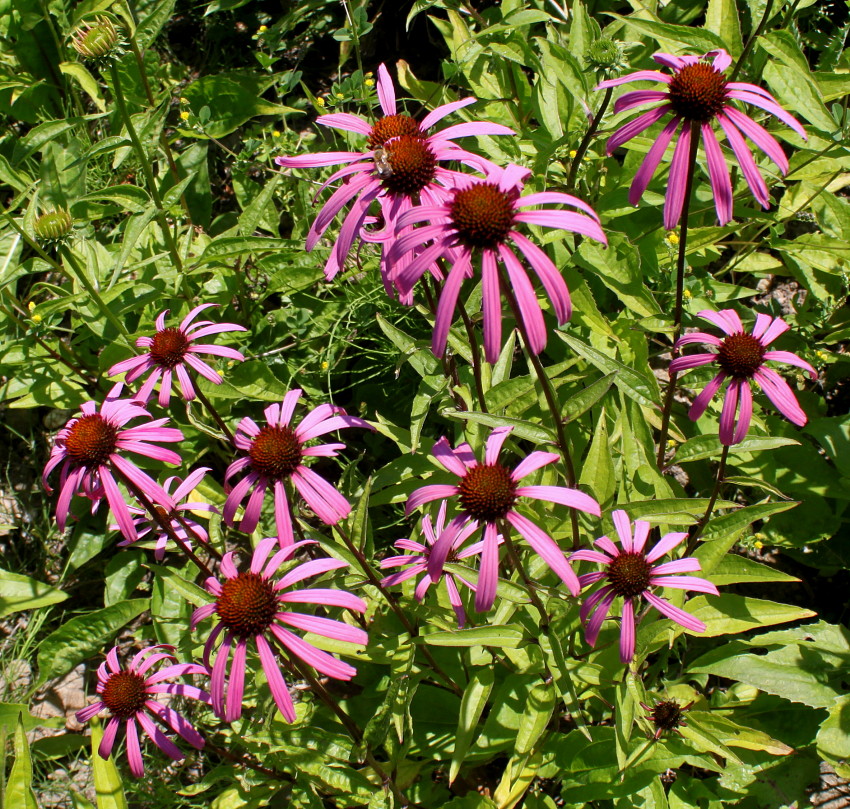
{"x": 741, "y": 355}
{"x": 392, "y": 126}
{"x": 629, "y": 574}
{"x": 124, "y": 694}
{"x": 91, "y": 440}
{"x": 697, "y": 92}
{"x": 487, "y": 492}
{"x": 412, "y": 165}
{"x": 482, "y": 215}
{"x": 169, "y": 347}
{"x": 667, "y": 715}
{"x": 275, "y": 452}
{"x": 247, "y": 604}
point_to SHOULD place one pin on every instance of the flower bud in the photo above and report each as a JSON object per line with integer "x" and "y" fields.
{"x": 605, "y": 55}
{"x": 98, "y": 41}
{"x": 53, "y": 226}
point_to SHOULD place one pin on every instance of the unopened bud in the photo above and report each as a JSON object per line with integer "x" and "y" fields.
{"x": 53, "y": 226}
{"x": 98, "y": 41}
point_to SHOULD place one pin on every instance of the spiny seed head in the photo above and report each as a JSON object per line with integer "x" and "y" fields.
{"x": 412, "y": 163}
{"x": 487, "y": 492}
{"x": 740, "y": 355}
{"x": 697, "y": 92}
{"x": 247, "y": 604}
{"x": 629, "y": 574}
{"x": 605, "y": 54}
{"x": 275, "y": 453}
{"x": 91, "y": 440}
{"x": 98, "y": 41}
{"x": 53, "y": 226}
{"x": 169, "y": 348}
{"x": 392, "y": 126}
{"x": 667, "y": 715}
{"x": 124, "y": 694}
{"x": 482, "y": 215}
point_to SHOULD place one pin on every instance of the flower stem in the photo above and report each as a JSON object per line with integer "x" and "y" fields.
{"x": 697, "y": 530}
{"x": 752, "y": 41}
{"x": 680, "y": 289}
{"x": 588, "y": 137}
{"x": 161, "y": 521}
{"x": 520, "y": 568}
{"x": 411, "y": 629}
{"x": 350, "y": 725}
{"x": 222, "y": 425}
{"x": 150, "y": 181}
{"x": 80, "y": 275}
{"x": 476, "y": 356}
{"x": 551, "y": 401}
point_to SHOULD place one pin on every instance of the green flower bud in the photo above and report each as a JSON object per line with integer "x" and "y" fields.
{"x": 606, "y": 55}
{"x": 53, "y": 226}
{"x": 98, "y": 41}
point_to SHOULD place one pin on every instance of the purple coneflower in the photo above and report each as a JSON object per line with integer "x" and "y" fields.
{"x": 487, "y": 493}
{"x": 398, "y": 167}
{"x": 275, "y": 453}
{"x": 251, "y": 605}
{"x": 417, "y": 562}
{"x": 90, "y": 448}
{"x": 698, "y": 94}
{"x": 741, "y": 358}
{"x": 630, "y": 574}
{"x": 183, "y": 526}
{"x": 170, "y": 350}
{"x": 481, "y": 216}
{"x": 130, "y": 697}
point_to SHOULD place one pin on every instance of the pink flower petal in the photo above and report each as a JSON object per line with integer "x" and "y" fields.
{"x": 776, "y": 389}
{"x": 627, "y": 631}
{"x": 488, "y": 571}
{"x": 563, "y": 496}
{"x": 675, "y": 198}
{"x": 701, "y": 402}
{"x": 280, "y": 693}
{"x": 718, "y": 174}
{"x": 674, "y": 613}
{"x": 665, "y": 545}
{"x": 790, "y": 359}
{"x": 650, "y": 162}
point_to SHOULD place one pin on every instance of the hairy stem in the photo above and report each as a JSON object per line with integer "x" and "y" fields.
{"x": 588, "y": 137}
{"x": 697, "y": 530}
{"x": 222, "y": 425}
{"x": 680, "y": 290}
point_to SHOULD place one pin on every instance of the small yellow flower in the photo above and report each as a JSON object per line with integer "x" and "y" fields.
{"x": 687, "y": 294}
{"x": 320, "y": 101}
{"x": 369, "y": 82}
{"x": 340, "y": 95}
{"x": 184, "y": 100}
{"x": 673, "y": 238}
{"x": 670, "y": 443}
{"x": 573, "y": 152}
{"x": 821, "y": 355}
{"x": 262, "y": 29}
{"x": 325, "y": 365}
{"x": 185, "y": 115}
{"x": 36, "y": 318}
{"x": 275, "y": 133}
{"x": 31, "y": 305}
{"x": 759, "y": 544}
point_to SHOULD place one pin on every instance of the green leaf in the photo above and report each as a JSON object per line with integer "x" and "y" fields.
{"x": 81, "y": 75}
{"x": 521, "y": 428}
{"x": 734, "y": 735}
{"x": 721, "y": 18}
{"x": 472, "y": 705}
{"x": 84, "y": 636}
{"x": 107, "y": 779}
{"x": 19, "y": 793}
{"x": 597, "y": 471}
{"x": 23, "y": 593}
{"x": 579, "y": 403}
{"x": 189, "y": 590}
{"x": 152, "y": 24}
{"x": 709, "y": 446}
{"x": 636, "y": 386}
{"x": 833, "y": 739}
{"x": 735, "y": 569}
{"x": 228, "y": 246}
{"x": 129, "y": 197}
{"x": 797, "y": 89}
{"x": 11, "y": 712}
{"x": 508, "y": 636}
{"x": 45, "y": 133}
{"x": 728, "y": 614}
{"x": 696, "y": 38}
{"x": 234, "y": 98}
{"x": 539, "y": 708}
{"x": 732, "y": 524}
{"x": 705, "y": 741}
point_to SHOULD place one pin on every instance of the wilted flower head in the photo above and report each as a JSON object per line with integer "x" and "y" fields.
{"x": 91, "y": 449}
{"x": 275, "y": 454}
{"x": 399, "y": 166}
{"x": 129, "y": 694}
{"x": 487, "y": 494}
{"x": 252, "y": 605}
{"x": 630, "y": 573}
{"x": 482, "y": 217}
{"x": 666, "y": 716}
{"x": 740, "y": 357}
{"x": 697, "y": 96}
{"x": 173, "y": 352}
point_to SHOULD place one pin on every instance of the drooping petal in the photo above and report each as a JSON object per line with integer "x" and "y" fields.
{"x": 665, "y": 545}
{"x": 627, "y": 631}
{"x": 718, "y": 174}
{"x": 790, "y": 359}
{"x": 563, "y": 496}
{"x": 650, "y": 162}
{"x": 701, "y": 402}
{"x": 777, "y": 390}
{"x": 674, "y": 613}
{"x": 488, "y": 577}
{"x": 674, "y": 199}
{"x": 280, "y": 693}
{"x": 545, "y": 547}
